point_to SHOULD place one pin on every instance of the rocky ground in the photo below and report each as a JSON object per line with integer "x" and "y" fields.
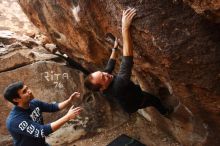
{"x": 137, "y": 127}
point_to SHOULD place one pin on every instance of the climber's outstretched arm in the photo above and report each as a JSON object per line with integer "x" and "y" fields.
{"x": 111, "y": 63}
{"x": 126, "y": 23}
{"x": 127, "y": 61}
{"x": 114, "y": 50}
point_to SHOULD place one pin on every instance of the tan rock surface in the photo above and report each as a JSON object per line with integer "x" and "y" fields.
{"x": 176, "y": 51}
{"x": 13, "y": 19}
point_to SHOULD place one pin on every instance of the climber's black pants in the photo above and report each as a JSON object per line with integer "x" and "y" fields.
{"x": 151, "y": 100}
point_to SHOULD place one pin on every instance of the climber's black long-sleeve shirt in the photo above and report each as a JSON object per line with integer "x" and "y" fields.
{"x": 122, "y": 88}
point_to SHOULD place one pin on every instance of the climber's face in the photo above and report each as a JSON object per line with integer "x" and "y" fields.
{"x": 101, "y": 78}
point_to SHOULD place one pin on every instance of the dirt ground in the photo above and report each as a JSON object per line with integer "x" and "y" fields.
{"x": 137, "y": 127}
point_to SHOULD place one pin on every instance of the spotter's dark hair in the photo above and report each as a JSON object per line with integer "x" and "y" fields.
{"x": 11, "y": 92}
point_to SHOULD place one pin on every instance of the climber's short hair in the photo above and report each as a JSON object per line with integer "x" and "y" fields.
{"x": 89, "y": 85}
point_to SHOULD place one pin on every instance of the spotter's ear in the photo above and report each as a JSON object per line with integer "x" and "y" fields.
{"x": 16, "y": 99}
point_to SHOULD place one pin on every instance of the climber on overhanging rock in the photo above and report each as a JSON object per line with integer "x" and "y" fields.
{"x": 129, "y": 95}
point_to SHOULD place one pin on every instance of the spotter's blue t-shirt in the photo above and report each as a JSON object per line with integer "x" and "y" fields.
{"x": 26, "y": 125}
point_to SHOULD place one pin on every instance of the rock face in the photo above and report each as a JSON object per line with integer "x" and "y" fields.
{"x": 209, "y": 8}
{"x": 12, "y": 18}
{"x": 176, "y": 52}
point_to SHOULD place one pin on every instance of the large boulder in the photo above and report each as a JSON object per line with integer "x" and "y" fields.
{"x": 176, "y": 54}
{"x": 51, "y": 82}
